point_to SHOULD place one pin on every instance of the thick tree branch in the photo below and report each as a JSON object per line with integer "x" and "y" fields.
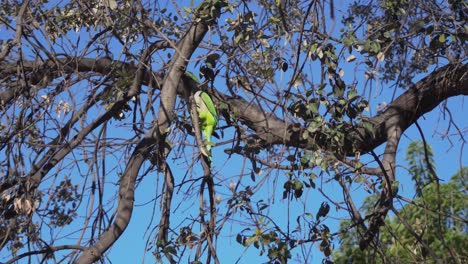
{"x": 178, "y": 65}
{"x": 425, "y": 95}
{"x": 389, "y": 191}
{"x": 127, "y": 183}
{"x": 30, "y": 91}
{"x": 125, "y": 206}
{"x": 170, "y": 84}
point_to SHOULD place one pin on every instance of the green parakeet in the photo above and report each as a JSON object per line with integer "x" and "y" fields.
{"x": 207, "y": 116}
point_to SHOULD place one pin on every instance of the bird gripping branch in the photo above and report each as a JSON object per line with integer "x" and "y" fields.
{"x": 208, "y": 118}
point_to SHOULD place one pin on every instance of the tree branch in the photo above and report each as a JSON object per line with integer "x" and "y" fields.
{"x": 170, "y": 84}
{"x": 125, "y": 206}
{"x": 425, "y": 95}
{"x": 127, "y": 183}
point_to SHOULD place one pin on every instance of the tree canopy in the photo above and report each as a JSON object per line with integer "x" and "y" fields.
{"x": 429, "y": 229}
{"x": 96, "y": 101}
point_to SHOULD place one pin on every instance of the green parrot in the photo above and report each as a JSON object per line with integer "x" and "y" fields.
{"x": 208, "y": 117}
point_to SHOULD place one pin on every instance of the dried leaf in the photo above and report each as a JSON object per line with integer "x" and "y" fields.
{"x": 381, "y": 56}
{"x": 351, "y": 58}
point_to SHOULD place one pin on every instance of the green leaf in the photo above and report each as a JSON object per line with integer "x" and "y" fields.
{"x": 368, "y": 127}
{"x": 252, "y": 176}
{"x": 212, "y": 59}
{"x": 239, "y": 239}
{"x": 442, "y": 38}
{"x": 314, "y": 107}
{"x": 291, "y": 158}
{"x": 284, "y": 66}
{"x": 192, "y": 76}
{"x": 323, "y": 211}
{"x": 274, "y": 19}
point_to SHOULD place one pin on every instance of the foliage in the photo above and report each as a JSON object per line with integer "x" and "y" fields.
{"x": 431, "y": 229}
{"x": 420, "y": 159}
{"x": 400, "y": 22}
{"x": 96, "y": 123}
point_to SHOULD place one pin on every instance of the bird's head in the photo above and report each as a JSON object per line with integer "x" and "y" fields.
{"x": 197, "y": 97}
{"x": 199, "y": 100}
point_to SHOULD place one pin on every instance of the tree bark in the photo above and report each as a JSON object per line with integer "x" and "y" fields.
{"x": 447, "y": 81}
{"x": 424, "y": 96}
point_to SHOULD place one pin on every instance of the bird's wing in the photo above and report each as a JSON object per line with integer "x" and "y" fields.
{"x": 192, "y": 76}
{"x": 209, "y": 105}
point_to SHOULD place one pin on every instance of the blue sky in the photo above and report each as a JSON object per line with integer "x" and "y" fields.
{"x": 130, "y": 248}
{"x": 448, "y": 160}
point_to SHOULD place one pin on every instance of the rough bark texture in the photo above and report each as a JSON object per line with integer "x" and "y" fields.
{"x": 127, "y": 183}
{"x": 185, "y": 49}
{"x": 124, "y": 208}
{"x": 425, "y": 95}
